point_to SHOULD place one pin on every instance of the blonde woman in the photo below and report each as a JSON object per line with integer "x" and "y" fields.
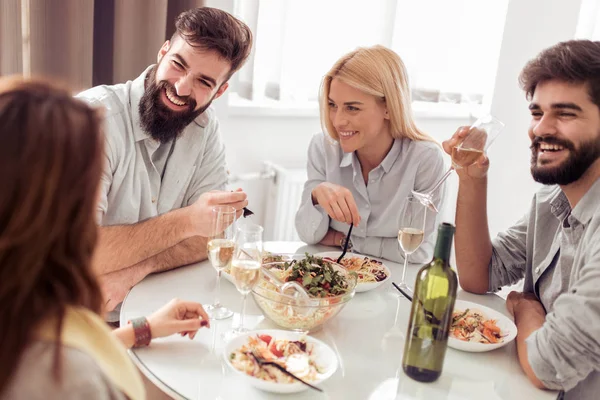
{"x": 369, "y": 158}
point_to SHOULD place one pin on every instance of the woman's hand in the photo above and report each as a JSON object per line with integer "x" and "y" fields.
{"x": 337, "y": 201}
{"x": 178, "y": 316}
{"x": 476, "y": 170}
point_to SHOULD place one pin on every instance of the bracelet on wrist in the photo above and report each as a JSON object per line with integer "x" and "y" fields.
{"x": 141, "y": 331}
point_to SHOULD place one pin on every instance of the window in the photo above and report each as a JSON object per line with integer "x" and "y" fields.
{"x": 588, "y": 26}
{"x": 450, "y": 47}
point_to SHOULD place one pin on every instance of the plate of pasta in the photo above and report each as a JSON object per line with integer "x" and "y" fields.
{"x": 476, "y": 328}
{"x": 304, "y": 356}
{"x": 371, "y": 272}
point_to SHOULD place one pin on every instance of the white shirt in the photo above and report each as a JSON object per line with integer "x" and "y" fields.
{"x": 409, "y": 165}
{"x": 132, "y": 189}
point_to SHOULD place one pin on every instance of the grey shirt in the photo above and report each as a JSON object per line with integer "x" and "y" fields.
{"x": 81, "y": 377}
{"x": 557, "y": 250}
{"x": 132, "y": 189}
{"x": 409, "y": 165}
{"x": 143, "y": 178}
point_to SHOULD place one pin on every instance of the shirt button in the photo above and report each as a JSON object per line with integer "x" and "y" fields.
{"x": 154, "y": 199}
{"x": 537, "y": 270}
{"x": 367, "y": 206}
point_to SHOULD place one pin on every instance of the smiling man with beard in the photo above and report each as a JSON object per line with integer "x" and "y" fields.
{"x": 556, "y": 245}
{"x": 165, "y": 161}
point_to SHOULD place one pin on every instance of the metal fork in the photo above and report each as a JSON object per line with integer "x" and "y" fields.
{"x": 262, "y": 361}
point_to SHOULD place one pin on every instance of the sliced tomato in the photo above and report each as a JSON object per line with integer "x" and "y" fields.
{"x": 276, "y": 352}
{"x": 265, "y": 338}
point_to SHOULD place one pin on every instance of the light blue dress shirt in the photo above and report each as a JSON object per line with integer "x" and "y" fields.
{"x": 143, "y": 178}
{"x": 557, "y": 250}
{"x": 410, "y": 165}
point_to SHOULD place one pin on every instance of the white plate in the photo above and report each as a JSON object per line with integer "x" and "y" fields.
{"x": 360, "y": 287}
{"x": 507, "y": 327}
{"x": 325, "y": 358}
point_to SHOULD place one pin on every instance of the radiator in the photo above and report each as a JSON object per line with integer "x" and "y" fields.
{"x": 283, "y": 190}
{"x": 282, "y": 202}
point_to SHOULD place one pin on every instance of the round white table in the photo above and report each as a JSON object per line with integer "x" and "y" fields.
{"x": 368, "y": 343}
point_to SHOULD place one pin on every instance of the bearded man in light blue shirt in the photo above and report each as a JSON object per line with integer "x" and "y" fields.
{"x": 556, "y": 245}
{"x": 165, "y": 161}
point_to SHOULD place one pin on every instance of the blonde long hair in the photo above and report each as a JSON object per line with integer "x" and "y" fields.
{"x": 380, "y": 72}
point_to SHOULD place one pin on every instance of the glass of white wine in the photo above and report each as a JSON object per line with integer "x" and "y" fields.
{"x": 480, "y": 137}
{"x": 220, "y": 253}
{"x": 412, "y": 231}
{"x": 245, "y": 267}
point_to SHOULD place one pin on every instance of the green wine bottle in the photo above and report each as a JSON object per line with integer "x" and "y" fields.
{"x": 431, "y": 313}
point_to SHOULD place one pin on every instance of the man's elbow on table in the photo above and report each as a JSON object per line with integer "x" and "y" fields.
{"x": 471, "y": 285}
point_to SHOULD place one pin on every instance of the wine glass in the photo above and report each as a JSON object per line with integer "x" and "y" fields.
{"x": 220, "y": 253}
{"x": 412, "y": 230}
{"x": 245, "y": 267}
{"x": 480, "y": 137}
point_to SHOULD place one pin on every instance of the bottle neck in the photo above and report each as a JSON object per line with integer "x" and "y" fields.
{"x": 443, "y": 246}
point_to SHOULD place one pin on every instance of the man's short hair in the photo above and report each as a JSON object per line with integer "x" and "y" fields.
{"x": 574, "y": 61}
{"x": 213, "y": 29}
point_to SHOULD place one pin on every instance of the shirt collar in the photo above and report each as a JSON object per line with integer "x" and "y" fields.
{"x": 346, "y": 160}
{"x": 588, "y": 205}
{"x": 387, "y": 162}
{"x": 392, "y": 156}
{"x": 138, "y": 87}
{"x": 559, "y": 204}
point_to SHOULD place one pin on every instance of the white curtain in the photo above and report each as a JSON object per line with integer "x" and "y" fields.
{"x": 450, "y": 46}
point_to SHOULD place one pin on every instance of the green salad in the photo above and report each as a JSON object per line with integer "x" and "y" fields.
{"x": 317, "y": 276}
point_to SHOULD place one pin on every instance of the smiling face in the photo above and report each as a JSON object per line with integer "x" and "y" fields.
{"x": 181, "y": 87}
{"x": 360, "y": 119}
{"x": 564, "y": 132}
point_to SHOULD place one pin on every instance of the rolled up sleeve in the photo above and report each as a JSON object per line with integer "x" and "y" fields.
{"x": 312, "y": 222}
{"x": 566, "y": 349}
{"x": 509, "y": 256}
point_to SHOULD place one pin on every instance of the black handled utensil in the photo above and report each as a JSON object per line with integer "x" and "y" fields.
{"x": 262, "y": 361}
{"x": 346, "y": 244}
{"x": 428, "y": 314}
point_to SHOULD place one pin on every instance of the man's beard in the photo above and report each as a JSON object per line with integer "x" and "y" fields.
{"x": 578, "y": 161}
{"x": 160, "y": 122}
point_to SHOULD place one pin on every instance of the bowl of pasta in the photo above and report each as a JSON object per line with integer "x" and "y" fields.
{"x": 329, "y": 287}
{"x": 476, "y": 328}
{"x": 371, "y": 273}
{"x": 251, "y": 357}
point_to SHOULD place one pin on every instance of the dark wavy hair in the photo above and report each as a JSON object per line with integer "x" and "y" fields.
{"x": 213, "y": 29}
{"x": 51, "y": 150}
{"x": 574, "y": 61}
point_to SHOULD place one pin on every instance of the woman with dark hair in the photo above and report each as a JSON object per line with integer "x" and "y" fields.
{"x": 51, "y": 152}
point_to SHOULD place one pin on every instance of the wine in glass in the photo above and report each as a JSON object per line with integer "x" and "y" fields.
{"x": 480, "y": 137}
{"x": 412, "y": 231}
{"x": 220, "y": 253}
{"x": 245, "y": 267}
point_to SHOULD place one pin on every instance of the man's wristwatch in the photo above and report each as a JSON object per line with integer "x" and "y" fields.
{"x": 141, "y": 330}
